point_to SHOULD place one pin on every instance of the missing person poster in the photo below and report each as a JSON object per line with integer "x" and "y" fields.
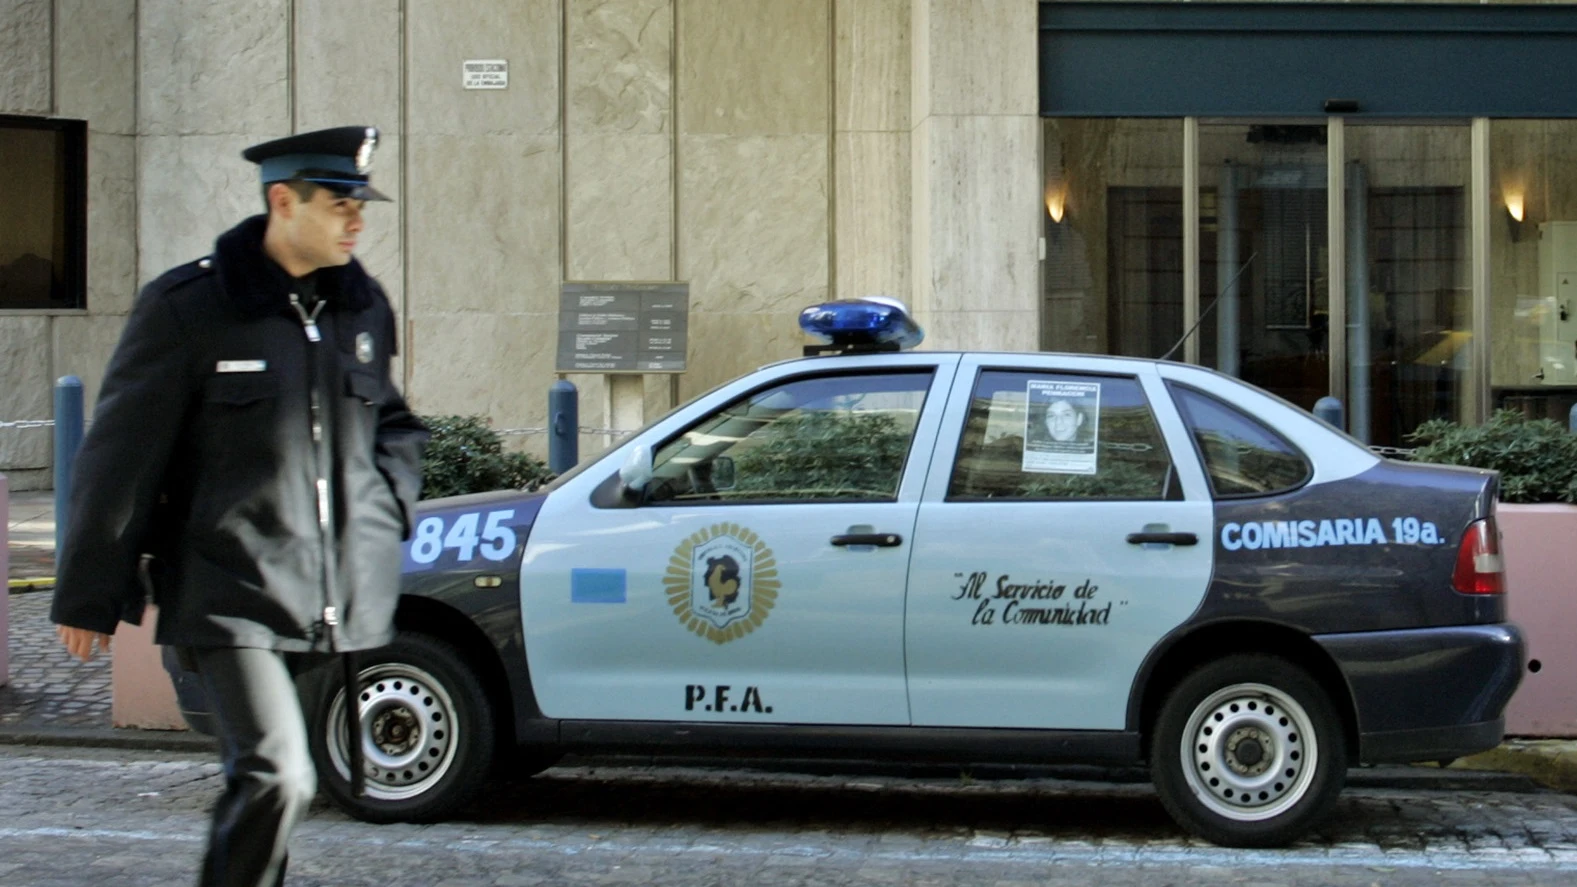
{"x": 1062, "y": 427}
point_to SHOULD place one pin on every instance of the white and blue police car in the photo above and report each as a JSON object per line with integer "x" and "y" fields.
{"x": 958, "y": 557}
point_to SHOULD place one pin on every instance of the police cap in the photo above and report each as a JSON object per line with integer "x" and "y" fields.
{"x": 338, "y": 159}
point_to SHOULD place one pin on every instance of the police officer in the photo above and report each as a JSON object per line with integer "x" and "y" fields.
{"x": 252, "y": 464}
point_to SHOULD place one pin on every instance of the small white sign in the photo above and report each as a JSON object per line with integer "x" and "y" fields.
{"x": 486, "y": 74}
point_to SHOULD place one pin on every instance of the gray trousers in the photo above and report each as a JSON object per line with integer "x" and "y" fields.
{"x": 269, "y": 777}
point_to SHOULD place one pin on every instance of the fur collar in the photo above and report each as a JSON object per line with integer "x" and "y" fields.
{"x": 258, "y": 287}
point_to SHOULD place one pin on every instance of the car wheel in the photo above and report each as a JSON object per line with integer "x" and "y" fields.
{"x": 1248, "y": 752}
{"x": 426, "y": 731}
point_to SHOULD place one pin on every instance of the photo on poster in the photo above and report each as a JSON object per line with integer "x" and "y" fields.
{"x": 1062, "y": 427}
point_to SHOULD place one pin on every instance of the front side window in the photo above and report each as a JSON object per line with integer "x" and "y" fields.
{"x": 822, "y": 439}
{"x": 1060, "y": 436}
{"x": 43, "y": 213}
{"x": 1243, "y": 456}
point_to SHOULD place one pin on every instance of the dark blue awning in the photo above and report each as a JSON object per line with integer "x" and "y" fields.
{"x": 1395, "y": 60}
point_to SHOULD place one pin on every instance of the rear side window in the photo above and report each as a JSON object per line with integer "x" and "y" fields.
{"x": 1034, "y": 435}
{"x": 1243, "y": 456}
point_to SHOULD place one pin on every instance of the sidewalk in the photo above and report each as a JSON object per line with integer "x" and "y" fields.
{"x": 32, "y": 539}
{"x": 54, "y": 699}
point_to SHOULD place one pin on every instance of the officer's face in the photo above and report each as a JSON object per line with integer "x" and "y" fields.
{"x": 322, "y": 231}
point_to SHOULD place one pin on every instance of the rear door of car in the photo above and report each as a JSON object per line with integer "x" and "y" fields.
{"x": 1045, "y": 569}
{"x": 762, "y": 579}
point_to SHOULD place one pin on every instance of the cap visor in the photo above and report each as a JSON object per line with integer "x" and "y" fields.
{"x": 353, "y": 190}
{"x": 368, "y": 192}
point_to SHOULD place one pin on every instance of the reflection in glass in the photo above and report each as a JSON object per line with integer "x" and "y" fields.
{"x": 1114, "y": 236}
{"x": 1264, "y": 257}
{"x": 1533, "y": 266}
{"x": 1409, "y": 291}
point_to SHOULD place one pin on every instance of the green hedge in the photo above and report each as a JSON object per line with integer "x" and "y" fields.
{"x": 465, "y": 455}
{"x": 1536, "y": 458}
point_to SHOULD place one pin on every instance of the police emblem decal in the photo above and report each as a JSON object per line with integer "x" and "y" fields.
{"x": 722, "y": 582}
{"x": 364, "y": 347}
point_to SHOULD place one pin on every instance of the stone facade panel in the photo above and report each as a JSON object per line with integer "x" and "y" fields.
{"x": 482, "y": 221}
{"x": 873, "y": 207}
{"x": 979, "y": 56}
{"x": 27, "y": 394}
{"x": 497, "y": 365}
{"x": 443, "y": 34}
{"x": 984, "y": 210}
{"x": 620, "y": 207}
{"x": 753, "y": 67}
{"x": 112, "y": 223}
{"x": 872, "y": 64}
{"x": 96, "y": 54}
{"x": 25, "y": 38}
{"x": 753, "y": 236}
{"x": 82, "y": 348}
{"x": 347, "y": 69}
{"x": 725, "y": 345}
{"x": 213, "y": 67}
{"x": 620, "y": 66}
{"x": 192, "y": 189}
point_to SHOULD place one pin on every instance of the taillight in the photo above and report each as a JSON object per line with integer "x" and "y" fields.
{"x": 1480, "y": 569}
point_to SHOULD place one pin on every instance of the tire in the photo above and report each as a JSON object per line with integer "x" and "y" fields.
{"x": 1248, "y": 752}
{"x": 427, "y": 733}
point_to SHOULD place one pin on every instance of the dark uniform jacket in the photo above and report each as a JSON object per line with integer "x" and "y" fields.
{"x": 271, "y": 477}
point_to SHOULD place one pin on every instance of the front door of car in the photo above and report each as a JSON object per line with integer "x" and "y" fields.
{"x": 761, "y": 575}
{"x": 1064, "y": 534}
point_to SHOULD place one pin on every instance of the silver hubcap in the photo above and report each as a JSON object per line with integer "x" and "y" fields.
{"x": 408, "y": 731}
{"x": 1249, "y": 752}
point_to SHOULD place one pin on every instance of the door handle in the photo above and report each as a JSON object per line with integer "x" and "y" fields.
{"x": 1163, "y": 538}
{"x": 881, "y": 540}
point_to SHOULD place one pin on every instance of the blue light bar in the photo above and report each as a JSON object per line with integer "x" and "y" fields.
{"x": 874, "y": 323}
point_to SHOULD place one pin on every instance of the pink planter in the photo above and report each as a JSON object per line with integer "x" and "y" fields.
{"x": 141, "y": 694}
{"x": 1540, "y": 546}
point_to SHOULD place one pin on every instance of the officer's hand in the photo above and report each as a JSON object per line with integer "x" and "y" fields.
{"x": 79, "y": 641}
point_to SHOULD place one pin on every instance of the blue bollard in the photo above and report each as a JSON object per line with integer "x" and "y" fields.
{"x": 1571, "y": 419}
{"x": 68, "y": 438}
{"x": 1329, "y": 410}
{"x": 563, "y": 426}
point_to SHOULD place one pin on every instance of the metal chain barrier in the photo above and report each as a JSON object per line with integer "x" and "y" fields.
{"x": 28, "y": 423}
{"x": 506, "y": 432}
{"x": 509, "y": 432}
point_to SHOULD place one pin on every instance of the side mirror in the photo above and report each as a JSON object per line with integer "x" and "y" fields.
{"x": 723, "y": 473}
{"x": 635, "y": 473}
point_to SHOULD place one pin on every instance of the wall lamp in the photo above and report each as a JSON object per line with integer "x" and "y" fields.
{"x": 1515, "y": 209}
{"x": 1057, "y": 201}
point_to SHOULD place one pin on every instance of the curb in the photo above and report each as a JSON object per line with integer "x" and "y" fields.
{"x": 1514, "y": 767}
{"x": 1549, "y": 768}
{"x": 22, "y": 586}
{"x": 109, "y": 737}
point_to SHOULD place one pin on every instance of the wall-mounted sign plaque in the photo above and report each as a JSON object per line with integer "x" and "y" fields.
{"x": 623, "y": 327}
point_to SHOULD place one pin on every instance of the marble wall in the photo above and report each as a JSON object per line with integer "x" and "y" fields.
{"x": 976, "y": 173}
{"x": 771, "y": 153}
{"x": 72, "y": 59}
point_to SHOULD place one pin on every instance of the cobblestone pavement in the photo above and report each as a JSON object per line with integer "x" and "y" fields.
{"x": 48, "y": 688}
{"x": 118, "y": 819}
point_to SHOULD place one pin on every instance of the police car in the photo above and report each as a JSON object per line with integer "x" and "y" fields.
{"x": 961, "y": 557}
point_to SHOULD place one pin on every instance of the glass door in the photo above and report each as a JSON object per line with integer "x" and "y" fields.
{"x": 1264, "y": 255}
{"x": 1408, "y": 277}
